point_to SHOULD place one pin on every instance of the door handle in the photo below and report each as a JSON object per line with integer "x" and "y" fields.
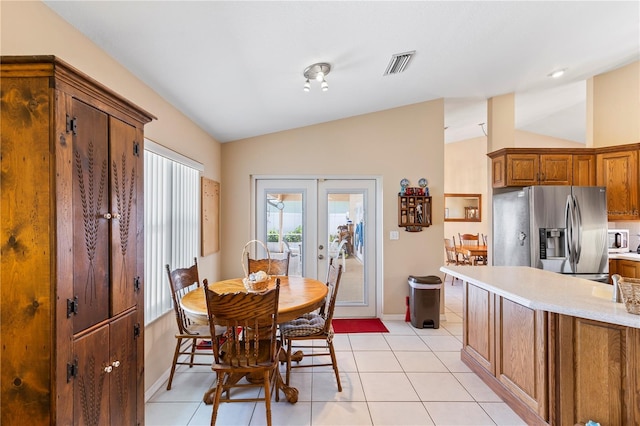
{"x": 320, "y": 257}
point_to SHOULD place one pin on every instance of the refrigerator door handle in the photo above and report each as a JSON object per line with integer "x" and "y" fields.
{"x": 568, "y": 218}
{"x": 578, "y": 227}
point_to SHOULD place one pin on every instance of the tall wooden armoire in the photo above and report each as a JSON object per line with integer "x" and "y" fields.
{"x": 72, "y": 314}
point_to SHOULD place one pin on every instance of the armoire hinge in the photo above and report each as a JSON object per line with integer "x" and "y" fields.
{"x": 136, "y": 284}
{"x": 136, "y": 149}
{"x": 72, "y": 306}
{"x": 136, "y": 331}
{"x": 72, "y": 124}
{"x": 72, "y": 369}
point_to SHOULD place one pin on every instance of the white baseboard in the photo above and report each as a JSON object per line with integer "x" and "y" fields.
{"x": 156, "y": 385}
{"x": 393, "y": 317}
{"x": 401, "y": 317}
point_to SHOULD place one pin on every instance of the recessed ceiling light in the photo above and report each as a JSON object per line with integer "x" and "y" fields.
{"x": 557, "y": 73}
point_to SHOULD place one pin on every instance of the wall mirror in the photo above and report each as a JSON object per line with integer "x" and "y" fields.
{"x": 462, "y": 207}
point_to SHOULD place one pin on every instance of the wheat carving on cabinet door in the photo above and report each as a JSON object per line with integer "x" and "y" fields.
{"x": 90, "y": 214}
{"x": 91, "y": 393}
{"x": 124, "y": 201}
{"x": 123, "y": 376}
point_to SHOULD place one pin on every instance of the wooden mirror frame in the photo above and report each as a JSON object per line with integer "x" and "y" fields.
{"x": 467, "y": 216}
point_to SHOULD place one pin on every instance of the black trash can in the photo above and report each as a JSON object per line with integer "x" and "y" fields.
{"x": 424, "y": 301}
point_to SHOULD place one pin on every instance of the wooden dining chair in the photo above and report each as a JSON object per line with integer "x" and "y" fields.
{"x": 452, "y": 256}
{"x": 472, "y": 240}
{"x": 462, "y": 260}
{"x": 191, "y": 339}
{"x": 253, "y": 351}
{"x": 315, "y": 326}
{"x": 270, "y": 266}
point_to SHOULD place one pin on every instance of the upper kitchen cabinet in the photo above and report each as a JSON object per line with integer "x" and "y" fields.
{"x": 617, "y": 169}
{"x": 526, "y": 167}
{"x": 72, "y": 305}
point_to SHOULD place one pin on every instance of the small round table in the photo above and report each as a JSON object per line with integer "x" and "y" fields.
{"x": 298, "y": 295}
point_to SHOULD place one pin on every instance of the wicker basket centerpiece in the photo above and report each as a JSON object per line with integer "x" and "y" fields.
{"x": 255, "y": 282}
{"x": 630, "y": 290}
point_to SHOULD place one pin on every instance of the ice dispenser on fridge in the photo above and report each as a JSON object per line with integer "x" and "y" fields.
{"x": 552, "y": 243}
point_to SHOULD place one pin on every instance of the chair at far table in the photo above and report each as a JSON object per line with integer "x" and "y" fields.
{"x": 253, "y": 351}
{"x": 182, "y": 281}
{"x": 452, "y": 257}
{"x": 471, "y": 240}
{"x": 270, "y": 266}
{"x": 315, "y": 326}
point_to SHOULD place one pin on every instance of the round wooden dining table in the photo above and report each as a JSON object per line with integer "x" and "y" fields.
{"x": 298, "y": 295}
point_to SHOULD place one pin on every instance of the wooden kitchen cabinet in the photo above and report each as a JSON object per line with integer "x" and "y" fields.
{"x": 625, "y": 268}
{"x": 478, "y": 340}
{"x": 584, "y": 390}
{"x": 617, "y": 169}
{"x": 505, "y": 344}
{"x": 521, "y": 361}
{"x": 72, "y": 266}
{"x": 584, "y": 170}
{"x": 526, "y": 167}
{"x": 548, "y": 367}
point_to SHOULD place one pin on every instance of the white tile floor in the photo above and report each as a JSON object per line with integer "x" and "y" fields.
{"x": 408, "y": 376}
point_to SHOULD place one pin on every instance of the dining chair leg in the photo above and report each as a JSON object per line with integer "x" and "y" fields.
{"x": 267, "y": 395}
{"x": 216, "y": 400}
{"x": 173, "y": 364}
{"x": 288, "y": 361}
{"x": 335, "y": 365}
{"x": 194, "y": 343}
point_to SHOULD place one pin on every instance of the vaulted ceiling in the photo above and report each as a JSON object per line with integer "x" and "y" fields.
{"x": 236, "y": 67}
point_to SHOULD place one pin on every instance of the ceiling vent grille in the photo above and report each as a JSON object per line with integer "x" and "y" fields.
{"x": 399, "y": 62}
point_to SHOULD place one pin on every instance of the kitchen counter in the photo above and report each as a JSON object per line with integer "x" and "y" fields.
{"x": 555, "y": 348}
{"x": 626, "y": 256}
{"x": 548, "y": 291}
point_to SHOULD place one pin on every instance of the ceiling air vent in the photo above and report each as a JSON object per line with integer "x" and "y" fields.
{"x": 399, "y": 62}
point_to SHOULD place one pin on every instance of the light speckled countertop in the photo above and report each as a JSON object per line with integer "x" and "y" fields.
{"x": 626, "y": 256}
{"x": 548, "y": 291}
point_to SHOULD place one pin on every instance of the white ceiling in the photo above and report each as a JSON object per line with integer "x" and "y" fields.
{"x": 235, "y": 67}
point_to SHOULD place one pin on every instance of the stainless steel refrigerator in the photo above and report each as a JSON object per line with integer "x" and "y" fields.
{"x": 557, "y": 228}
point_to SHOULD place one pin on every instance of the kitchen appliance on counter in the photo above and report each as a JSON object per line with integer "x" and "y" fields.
{"x": 558, "y": 228}
{"x": 618, "y": 241}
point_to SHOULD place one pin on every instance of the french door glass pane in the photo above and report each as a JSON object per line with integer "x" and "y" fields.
{"x": 285, "y": 231}
{"x": 345, "y": 242}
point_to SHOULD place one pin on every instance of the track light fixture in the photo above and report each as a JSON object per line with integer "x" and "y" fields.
{"x": 317, "y": 72}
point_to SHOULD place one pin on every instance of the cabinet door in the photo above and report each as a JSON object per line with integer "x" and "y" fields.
{"x": 586, "y": 390}
{"x": 521, "y": 348}
{"x": 90, "y": 226}
{"x": 523, "y": 169}
{"x": 105, "y": 385}
{"x": 498, "y": 178}
{"x": 584, "y": 170}
{"x": 618, "y": 171}
{"x": 556, "y": 169}
{"x": 628, "y": 268}
{"x": 478, "y": 334}
{"x": 91, "y": 383}
{"x": 125, "y": 171}
{"x": 123, "y": 377}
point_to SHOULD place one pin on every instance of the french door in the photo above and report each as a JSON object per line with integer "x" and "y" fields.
{"x": 321, "y": 219}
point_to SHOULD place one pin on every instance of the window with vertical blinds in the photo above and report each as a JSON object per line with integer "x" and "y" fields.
{"x": 171, "y": 222}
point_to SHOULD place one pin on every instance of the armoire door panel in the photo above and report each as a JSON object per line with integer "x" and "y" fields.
{"x": 124, "y": 198}
{"x": 123, "y": 376}
{"x": 91, "y": 382}
{"x": 90, "y": 205}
